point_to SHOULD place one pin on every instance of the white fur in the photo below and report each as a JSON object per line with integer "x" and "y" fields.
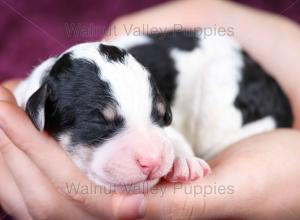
{"x": 209, "y": 76}
{"x": 118, "y": 168}
{"x": 208, "y": 84}
{"x": 257, "y": 127}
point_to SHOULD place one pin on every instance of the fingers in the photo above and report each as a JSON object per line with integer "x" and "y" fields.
{"x": 198, "y": 200}
{"x": 20, "y": 130}
{"x": 10, "y": 196}
{"x": 11, "y": 84}
{"x": 40, "y": 198}
{"x": 41, "y": 149}
{"x": 50, "y": 158}
{"x": 23, "y": 172}
{"x": 128, "y": 207}
{"x": 6, "y": 95}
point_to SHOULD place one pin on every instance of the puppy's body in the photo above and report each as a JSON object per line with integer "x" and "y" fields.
{"x": 109, "y": 108}
{"x": 219, "y": 95}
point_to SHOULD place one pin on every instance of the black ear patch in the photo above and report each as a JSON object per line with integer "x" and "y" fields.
{"x": 35, "y": 107}
{"x": 112, "y": 53}
{"x": 61, "y": 65}
{"x": 168, "y": 116}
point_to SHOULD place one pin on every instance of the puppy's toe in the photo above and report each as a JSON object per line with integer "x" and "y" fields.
{"x": 198, "y": 168}
{"x": 188, "y": 169}
{"x": 179, "y": 172}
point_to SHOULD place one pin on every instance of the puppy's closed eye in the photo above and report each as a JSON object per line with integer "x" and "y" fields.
{"x": 109, "y": 113}
{"x": 161, "y": 108}
{"x": 162, "y": 114}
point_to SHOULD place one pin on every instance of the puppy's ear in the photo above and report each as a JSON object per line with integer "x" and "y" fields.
{"x": 51, "y": 69}
{"x": 35, "y": 107}
{"x": 168, "y": 116}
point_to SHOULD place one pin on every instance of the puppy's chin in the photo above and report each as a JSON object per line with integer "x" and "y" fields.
{"x": 139, "y": 187}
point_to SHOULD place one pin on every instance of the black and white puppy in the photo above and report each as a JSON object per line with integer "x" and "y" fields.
{"x": 109, "y": 105}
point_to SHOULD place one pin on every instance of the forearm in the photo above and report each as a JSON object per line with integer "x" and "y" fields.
{"x": 270, "y": 39}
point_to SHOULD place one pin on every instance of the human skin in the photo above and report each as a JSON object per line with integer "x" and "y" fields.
{"x": 264, "y": 169}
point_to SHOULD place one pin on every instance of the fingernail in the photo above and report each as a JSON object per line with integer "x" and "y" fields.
{"x": 131, "y": 207}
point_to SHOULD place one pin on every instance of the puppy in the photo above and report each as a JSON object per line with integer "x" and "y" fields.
{"x": 109, "y": 105}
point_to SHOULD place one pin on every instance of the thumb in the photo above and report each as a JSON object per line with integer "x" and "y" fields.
{"x": 128, "y": 206}
{"x": 11, "y": 84}
{"x": 204, "y": 199}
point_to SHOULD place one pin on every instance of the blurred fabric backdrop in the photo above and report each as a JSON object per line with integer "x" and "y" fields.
{"x": 34, "y": 30}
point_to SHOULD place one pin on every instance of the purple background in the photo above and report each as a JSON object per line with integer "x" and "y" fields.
{"x": 34, "y": 30}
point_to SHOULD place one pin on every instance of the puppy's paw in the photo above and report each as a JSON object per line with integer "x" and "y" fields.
{"x": 187, "y": 169}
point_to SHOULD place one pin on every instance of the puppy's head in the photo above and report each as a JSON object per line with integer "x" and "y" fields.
{"x": 107, "y": 113}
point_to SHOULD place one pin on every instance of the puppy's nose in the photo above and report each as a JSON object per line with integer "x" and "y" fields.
{"x": 149, "y": 163}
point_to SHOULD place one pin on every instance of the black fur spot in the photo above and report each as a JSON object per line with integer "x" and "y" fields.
{"x": 61, "y": 65}
{"x": 184, "y": 40}
{"x": 35, "y": 106}
{"x": 161, "y": 66}
{"x": 168, "y": 116}
{"x": 155, "y": 56}
{"x": 260, "y": 96}
{"x": 112, "y": 53}
{"x": 75, "y": 107}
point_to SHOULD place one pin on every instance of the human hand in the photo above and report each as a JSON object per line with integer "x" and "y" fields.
{"x": 35, "y": 175}
{"x": 257, "y": 178}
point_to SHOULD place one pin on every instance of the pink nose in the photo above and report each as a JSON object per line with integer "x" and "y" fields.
{"x": 148, "y": 164}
